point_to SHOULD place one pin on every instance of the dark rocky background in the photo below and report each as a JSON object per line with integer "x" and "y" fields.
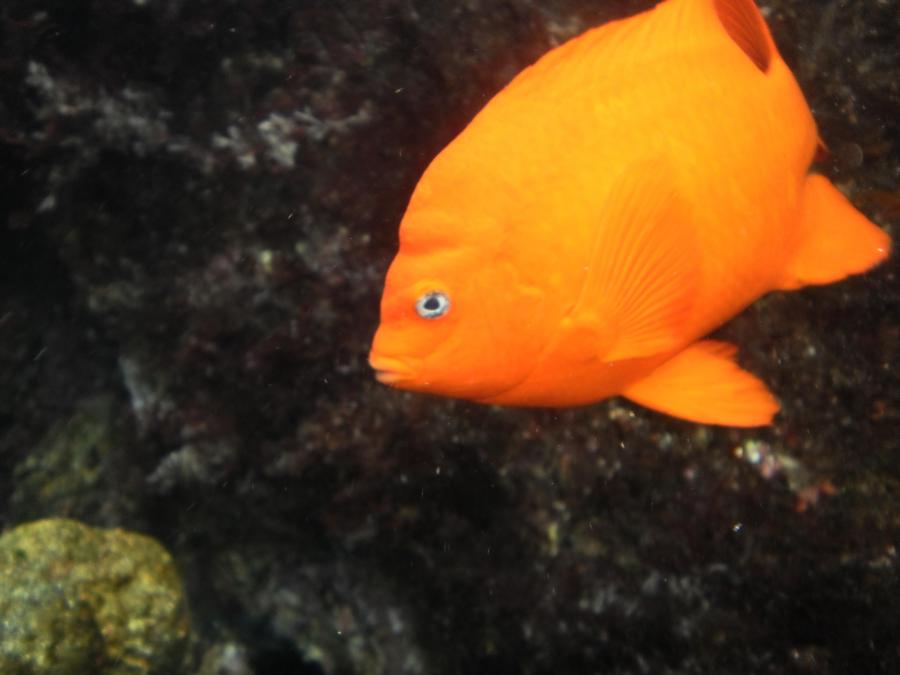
{"x": 199, "y": 201}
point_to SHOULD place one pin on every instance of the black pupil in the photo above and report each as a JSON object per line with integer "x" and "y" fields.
{"x": 432, "y": 303}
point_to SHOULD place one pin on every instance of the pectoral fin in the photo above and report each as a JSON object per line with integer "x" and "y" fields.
{"x": 704, "y": 384}
{"x": 642, "y": 271}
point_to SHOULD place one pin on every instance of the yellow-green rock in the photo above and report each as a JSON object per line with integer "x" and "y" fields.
{"x": 76, "y": 600}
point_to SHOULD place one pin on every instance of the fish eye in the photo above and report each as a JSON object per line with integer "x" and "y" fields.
{"x": 433, "y": 305}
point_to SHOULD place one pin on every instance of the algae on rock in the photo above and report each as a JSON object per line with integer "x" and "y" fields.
{"x": 75, "y": 599}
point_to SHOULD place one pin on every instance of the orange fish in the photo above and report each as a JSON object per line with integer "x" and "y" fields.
{"x": 632, "y": 190}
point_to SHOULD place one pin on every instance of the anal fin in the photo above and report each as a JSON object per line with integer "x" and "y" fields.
{"x": 837, "y": 240}
{"x": 702, "y": 383}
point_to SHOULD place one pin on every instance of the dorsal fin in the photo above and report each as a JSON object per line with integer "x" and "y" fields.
{"x": 745, "y": 25}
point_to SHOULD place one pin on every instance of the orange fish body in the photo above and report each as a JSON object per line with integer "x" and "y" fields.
{"x": 632, "y": 190}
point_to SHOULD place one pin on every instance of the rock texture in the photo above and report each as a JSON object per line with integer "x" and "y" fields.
{"x": 77, "y": 600}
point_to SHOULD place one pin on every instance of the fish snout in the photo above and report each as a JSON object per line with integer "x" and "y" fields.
{"x": 392, "y": 370}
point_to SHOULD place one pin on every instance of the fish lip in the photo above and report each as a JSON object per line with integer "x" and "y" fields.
{"x": 390, "y": 370}
{"x": 389, "y": 377}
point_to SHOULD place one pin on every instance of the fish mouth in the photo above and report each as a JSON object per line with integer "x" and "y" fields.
{"x": 390, "y": 370}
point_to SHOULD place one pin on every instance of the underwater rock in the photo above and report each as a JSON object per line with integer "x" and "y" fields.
{"x": 76, "y": 600}
{"x": 225, "y": 659}
{"x": 327, "y": 616}
{"x": 75, "y": 470}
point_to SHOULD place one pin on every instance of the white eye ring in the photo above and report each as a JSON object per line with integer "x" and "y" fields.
{"x": 433, "y": 305}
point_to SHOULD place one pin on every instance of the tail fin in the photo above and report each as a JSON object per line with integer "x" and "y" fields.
{"x": 837, "y": 240}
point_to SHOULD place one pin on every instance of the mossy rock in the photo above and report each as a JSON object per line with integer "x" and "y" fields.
{"x": 74, "y": 600}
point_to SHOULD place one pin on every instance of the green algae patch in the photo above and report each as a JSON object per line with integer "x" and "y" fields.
{"x": 75, "y": 599}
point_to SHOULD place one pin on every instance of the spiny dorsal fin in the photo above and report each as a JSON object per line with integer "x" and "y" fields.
{"x": 746, "y": 26}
